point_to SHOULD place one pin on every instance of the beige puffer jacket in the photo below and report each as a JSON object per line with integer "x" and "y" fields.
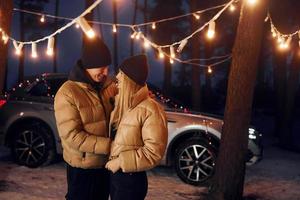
{"x": 82, "y": 122}
{"x": 142, "y": 134}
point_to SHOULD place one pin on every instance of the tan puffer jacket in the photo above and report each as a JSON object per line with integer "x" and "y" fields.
{"x": 82, "y": 122}
{"x": 142, "y": 135}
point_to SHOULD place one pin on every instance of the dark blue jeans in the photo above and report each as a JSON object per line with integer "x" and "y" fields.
{"x": 128, "y": 186}
{"x": 87, "y": 184}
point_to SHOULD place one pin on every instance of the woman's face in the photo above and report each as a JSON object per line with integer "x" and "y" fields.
{"x": 119, "y": 79}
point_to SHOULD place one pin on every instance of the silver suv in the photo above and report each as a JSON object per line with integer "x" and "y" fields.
{"x": 27, "y": 126}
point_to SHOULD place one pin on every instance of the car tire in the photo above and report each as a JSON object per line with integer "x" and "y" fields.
{"x": 33, "y": 146}
{"x": 195, "y": 161}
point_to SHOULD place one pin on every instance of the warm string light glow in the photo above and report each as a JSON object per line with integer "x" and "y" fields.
{"x": 33, "y": 50}
{"x": 43, "y": 19}
{"x": 86, "y": 28}
{"x": 18, "y": 47}
{"x": 211, "y": 30}
{"x": 252, "y": 2}
{"x": 80, "y": 22}
{"x": 50, "y": 46}
{"x": 197, "y": 17}
{"x": 283, "y": 40}
{"x": 114, "y": 29}
{"x": 232, "y": 8}
{"x": 153, "y": 25}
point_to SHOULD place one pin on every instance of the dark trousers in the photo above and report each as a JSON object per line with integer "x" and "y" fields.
{"x": 128, "y": 186}
{"x": 87, "y": 184}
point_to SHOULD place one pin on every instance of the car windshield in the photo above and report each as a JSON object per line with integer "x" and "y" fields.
{"x": 169, "y": 103}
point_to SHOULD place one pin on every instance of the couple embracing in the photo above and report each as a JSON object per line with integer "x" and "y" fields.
{"x": 111, "y": 132}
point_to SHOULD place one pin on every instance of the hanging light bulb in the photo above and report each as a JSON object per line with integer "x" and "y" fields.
{"x": 172, "y": 52}
{"x": 161, "y": 53}
{"x": 182, "y": 45}
{"x": 209, "y": 70}
{"x": 153, "y": 25}
{"x": 211, "y": 30}
{"x": 146, "y": 43}
{"x": 171, "y": 61}
{"x": 43, "y": 19}
{"x": 50, "y": 46}
{"x": 197, "y": 17}
{"x": 138, "y": 36}
{"x": 252, "y": 2}
{"x": 87, "y": 29}
{"x": 77, "y": 25}
{"x": 274, "y": 34}
{"x": 114, "y": 28}
{"x": 232, "y": 8}
{"x": 18, "y": 47}
{"x": 133, "y": 35}
{"x": 4, "y": 37}
{"x": 279, "y": 39}
{"x": 33, "y": 50}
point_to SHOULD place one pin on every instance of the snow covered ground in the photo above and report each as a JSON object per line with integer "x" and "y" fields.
{"x": 276, "y": 177}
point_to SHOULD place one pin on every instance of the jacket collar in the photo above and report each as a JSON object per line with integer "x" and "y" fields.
{"x": 140, "y": 96}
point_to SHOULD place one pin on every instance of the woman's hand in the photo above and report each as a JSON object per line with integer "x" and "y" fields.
{"x": 113, "y": 165}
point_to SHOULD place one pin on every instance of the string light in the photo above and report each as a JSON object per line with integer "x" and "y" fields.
{"x": 18, "y": 47}
{"x": 161, "y": 54}
{"x": 42, "y": 19}
{"x": 146, "y": 43}
{"x": 197, "y": 17}
{"x": 50, "y": 46}
{"x": 86, "y": 28}
{"x": 252, "y": 2}
{"x": 232, "y": 8}
{"x": 182, "y": 45}
{"x": 138, "y": 36}
{"x": 209, "y": 70}
{"x": 171, "y": 61}
{"x": 153, "y": 25}
{"x": 33, "y": 50}
{"x": 172, "y": 52}
{"x": 211, "y": 30}
{"x": 77, "y": 25}
{"x": 4, "y": 38}
{"x": 114, "y": 28}
{"x": 133, "y": 35}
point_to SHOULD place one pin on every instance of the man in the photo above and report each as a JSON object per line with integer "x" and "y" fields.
{"x": 82, "y": 109}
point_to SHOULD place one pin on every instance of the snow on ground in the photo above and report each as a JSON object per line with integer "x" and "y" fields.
{"x": 276, "y": 177}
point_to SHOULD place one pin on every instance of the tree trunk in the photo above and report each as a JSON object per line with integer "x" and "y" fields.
{"x": 145, "y": 20}
{"x": 167, "y": 77}
{"x": 286, "y": 124}
{"x": 55, "y": 38}
{"x": 22, "y": 38}
{"x": 228, "y": 180}
{"x": 196, "y": 84}
{"x": 133, "y": 22}
{"x": 115, "y": 36}
{"x": 209, "y": 47}
{"x": 280, "y": 79}
{"x": 5, "y": 22}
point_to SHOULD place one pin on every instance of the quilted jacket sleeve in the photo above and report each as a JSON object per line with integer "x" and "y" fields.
{"x": 71, "y": 130}
{"x": 155, "y": 136}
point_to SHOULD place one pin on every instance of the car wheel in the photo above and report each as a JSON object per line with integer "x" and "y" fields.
{"x": 33, "y": 146}
{"x": 195, "y": 161}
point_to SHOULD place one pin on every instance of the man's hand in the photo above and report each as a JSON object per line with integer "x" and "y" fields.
{"x": 113, "y": 165}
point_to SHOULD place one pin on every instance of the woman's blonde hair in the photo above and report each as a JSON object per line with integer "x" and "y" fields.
{"x": 127, "y": 89}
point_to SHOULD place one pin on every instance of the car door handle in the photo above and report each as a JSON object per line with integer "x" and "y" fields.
{"x": 171, "y": 121}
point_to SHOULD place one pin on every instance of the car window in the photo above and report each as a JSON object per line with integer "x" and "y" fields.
{"x": 54, "y": 85}
{"x": 40, "y": 89}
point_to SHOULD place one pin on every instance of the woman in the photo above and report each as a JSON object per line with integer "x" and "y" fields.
{"x": 139, "y": 132}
